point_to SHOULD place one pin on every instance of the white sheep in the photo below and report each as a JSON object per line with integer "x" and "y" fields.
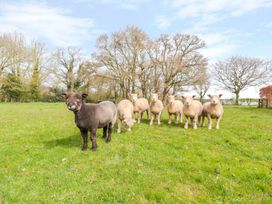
{"x": 140, "y": 106}
{"x": 125, "y": 114}
{"x": 175, "y": 107}
{"x": 212, "y": 109}
{"x": 192, "y": 109}
{"x": 156, "y": 108}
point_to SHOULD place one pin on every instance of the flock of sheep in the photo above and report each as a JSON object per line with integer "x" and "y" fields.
{"x": 190, "y": 107}
{"x": 90, "y": 117}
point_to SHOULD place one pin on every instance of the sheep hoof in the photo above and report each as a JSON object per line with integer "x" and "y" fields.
{"x": 84, "y": 148}
{"x": 128, "y": 129}
{"x": 108, "y": 140}
{"x": 94, "y": 149}
{"x": 169, "y": 122}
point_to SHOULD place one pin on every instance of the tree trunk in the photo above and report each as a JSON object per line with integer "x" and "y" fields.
{"x": 133, "y": 83}
{"x": 237, "y": 98}
{"x": 164, "y": 93}
{"x": 201, "y": 98}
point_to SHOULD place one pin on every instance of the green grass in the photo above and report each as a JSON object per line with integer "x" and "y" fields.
{"x": 41, "y": 160}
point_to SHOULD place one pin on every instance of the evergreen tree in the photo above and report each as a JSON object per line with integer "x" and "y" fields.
{"x": 13, "y": 89}
{"x": 35, "y": 82}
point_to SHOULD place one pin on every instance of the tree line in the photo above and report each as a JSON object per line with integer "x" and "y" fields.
{"x": 124, "y": 62}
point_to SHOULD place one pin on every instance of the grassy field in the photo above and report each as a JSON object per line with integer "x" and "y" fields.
{"x": 41, "y": 160}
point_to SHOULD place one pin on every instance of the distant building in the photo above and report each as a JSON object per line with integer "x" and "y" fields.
{"x": 266, "y": 96}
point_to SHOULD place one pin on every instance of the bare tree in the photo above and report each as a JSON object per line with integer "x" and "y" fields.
{"x": 86, "y": 74}
{"x": 202, "y": 85}
{"x": 66, "y": 66}
{"x": 123, "y": 54}
{"x": 12, "y": 52}
{"x": 238, "y": 73}
{"x": 140, "y": 63}
{"x": 179, "y": 60}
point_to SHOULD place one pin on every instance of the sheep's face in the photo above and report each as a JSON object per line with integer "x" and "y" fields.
{"x": 134, "y": 97}
{"x": 129, "y": 122}
{"x": 74, "y": 101}
{"x": 215, "y": 99}
{"x": 171, "y": 99}
{"x": 154, "y": 97}
{"x": 187, "y": 100}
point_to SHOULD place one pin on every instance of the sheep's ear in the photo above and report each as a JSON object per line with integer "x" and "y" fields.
{"x": 64, "y": 95}
{"x": 220, "y": 95}
{"x": 183, "y": 97}
{"x": 193, "y": 96}
{"x": 84, "y": 95}
{"x": 210, "y": 95}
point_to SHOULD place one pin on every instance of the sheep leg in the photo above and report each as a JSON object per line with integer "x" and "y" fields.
{"x": 93, "y": 138}
{"x": 198, "y": 121}
{"x": 186, "y": 122}
{"x": 170, "y": 119}
{"x": 217, "y": 122}
{"x": 139, "y": 117}
{"x": 202, "y": 121}
{"x": 177, "y": 118}
{"x": 151, "y": 120}
{"x": 84, "y": 135}
{"x": 159, "y": 118}
{"x": 194, "y": 122}
{"x": 119, "y": 125}
{"x": 209, "y": 121}
{"x": 148, "y": 114}
{"x": 110, "y": 127}
{"x": 105, "y": 132}
{"x": 180, "y": 116}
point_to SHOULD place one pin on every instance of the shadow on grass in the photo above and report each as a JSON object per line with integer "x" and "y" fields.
{"x": 173, "y": 124}
{"x": 145, "y": 121}
{"x": 70, "y": 141}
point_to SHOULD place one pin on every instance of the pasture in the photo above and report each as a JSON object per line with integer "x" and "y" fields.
{"x": 41, "y": 159}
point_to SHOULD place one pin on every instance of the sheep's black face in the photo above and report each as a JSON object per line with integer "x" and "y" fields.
{"x": 74, "y": 101}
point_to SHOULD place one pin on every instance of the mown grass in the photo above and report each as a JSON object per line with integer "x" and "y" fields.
{"x": 41, "y": 160}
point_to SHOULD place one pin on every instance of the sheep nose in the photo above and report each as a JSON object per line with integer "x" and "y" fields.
{"x": 71, "y": 105}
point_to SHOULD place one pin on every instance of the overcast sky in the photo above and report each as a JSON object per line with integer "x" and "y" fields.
{"x": 229, "y": 27}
